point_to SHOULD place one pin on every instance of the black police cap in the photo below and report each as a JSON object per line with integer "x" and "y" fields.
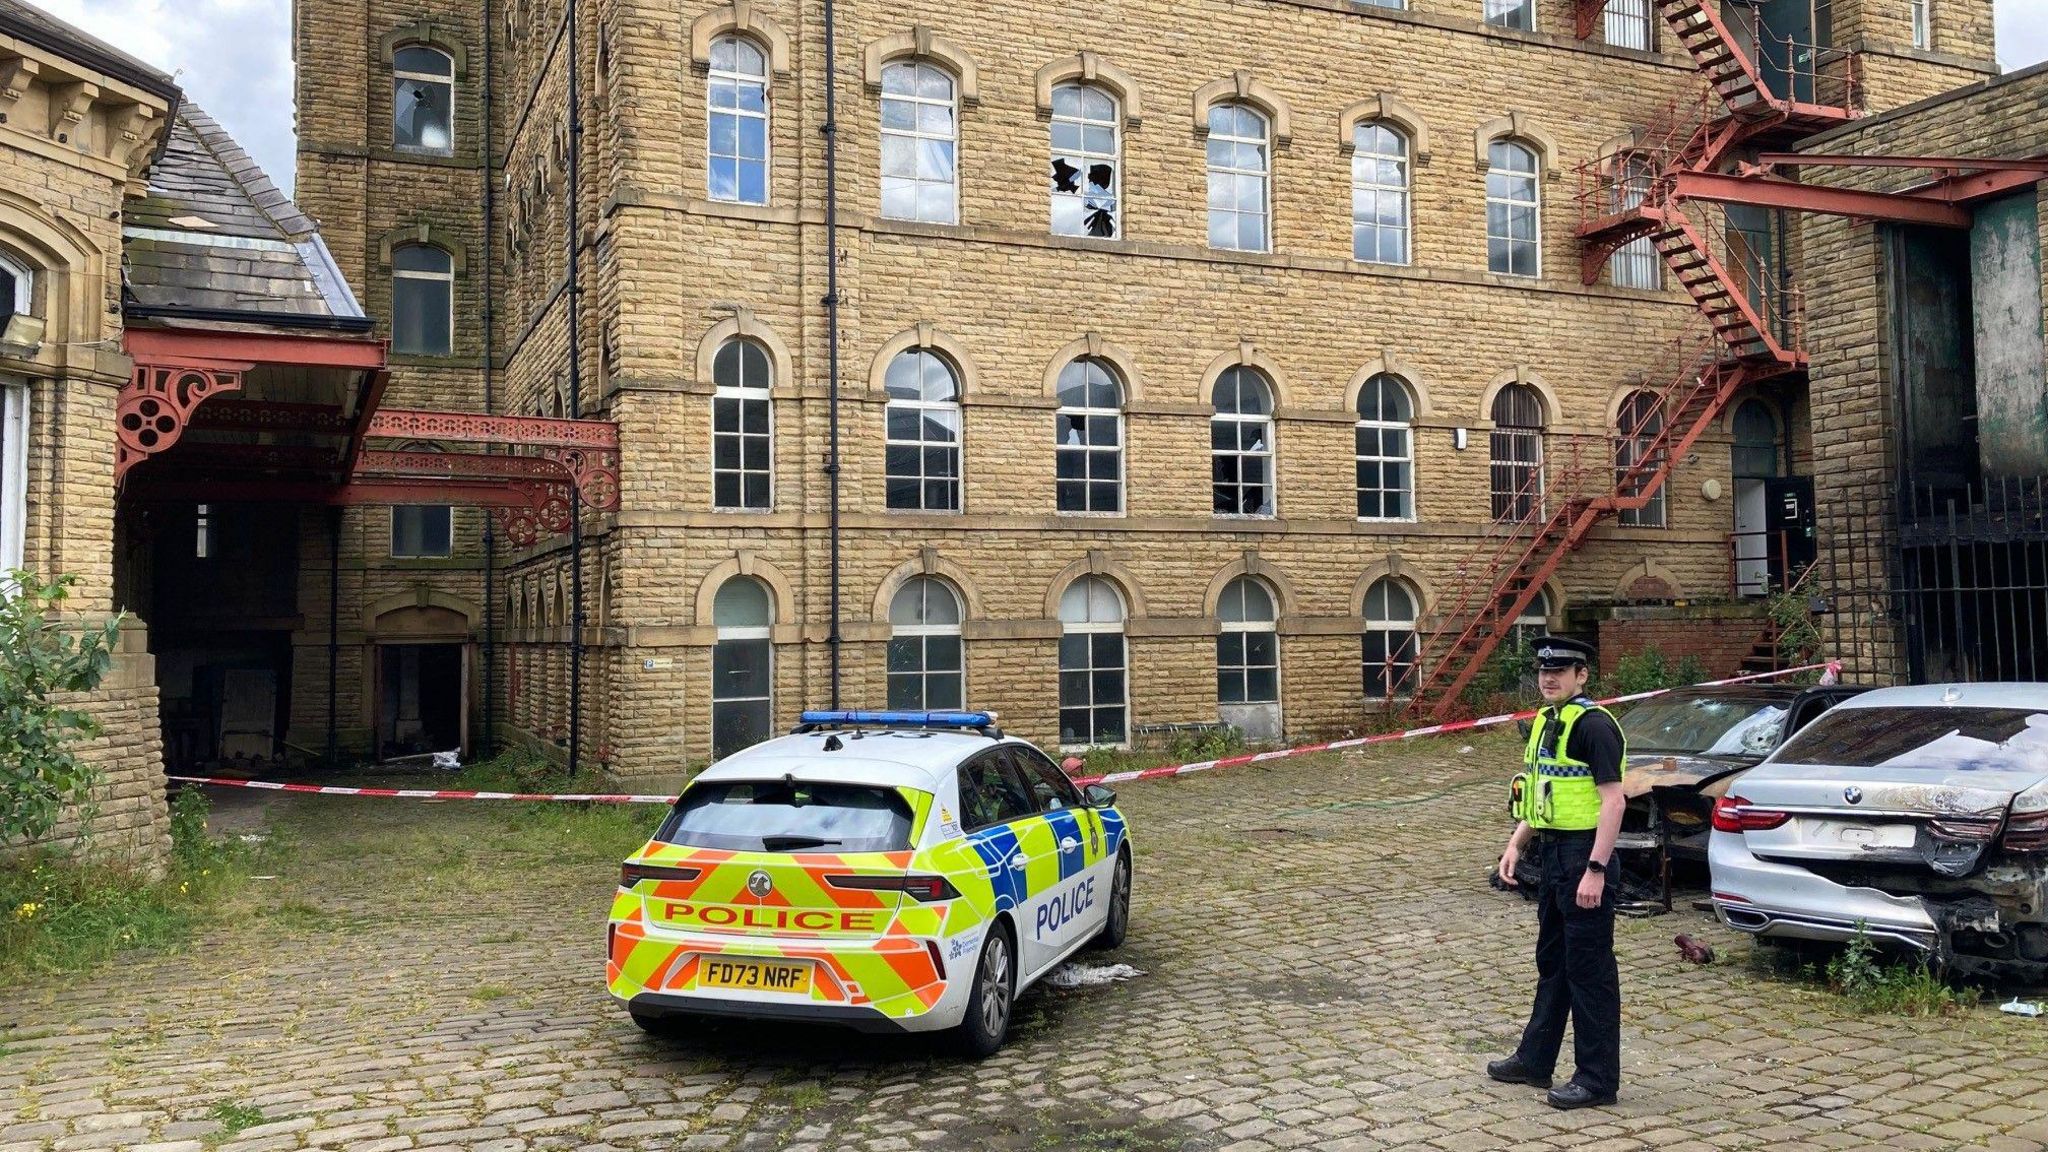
{"x": 1561, "y": 652}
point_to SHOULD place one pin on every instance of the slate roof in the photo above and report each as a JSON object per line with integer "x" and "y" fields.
{"x": 215, "y": 239}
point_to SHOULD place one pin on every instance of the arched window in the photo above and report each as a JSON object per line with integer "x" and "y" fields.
{"x": 742, "y": 666}
{"x": 738, "y": 145}
{"x": 920, "y": 141}
{"x": 742, "y": 428}
{"x": 1534, "y": 620}
{"x": 1385, "y": 449}
{"x": 1379, "y": 194}
{"x": 1238, "y": 171}
{"x": 1516, "y": 447}
{"x": 1086, "y": 162}
{"x": 1637, "y": 457}
{"x": 1089, "y": 439}
{"x": 1635, "y": 264}
{"x": 423, "y": 100}
{"x": 1094, "y": 703}
{"x": 1247, "y": 646}
{"x": 422, "y": 300}
{"x": 1241, "y": 443}
{"x": 927, "y": 668}
{"x": 922, "y": 442}
{"x": 1755, "y": 452}
{"x": 1513, "y": 210}
{"x": 1389, "y": 641}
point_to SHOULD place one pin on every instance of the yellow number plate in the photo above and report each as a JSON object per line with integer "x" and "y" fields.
{"x": 755, "y": 975}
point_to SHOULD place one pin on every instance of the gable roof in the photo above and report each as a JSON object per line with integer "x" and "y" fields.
{"x": 214, "y": 238}
{"x": 35, "y": 26}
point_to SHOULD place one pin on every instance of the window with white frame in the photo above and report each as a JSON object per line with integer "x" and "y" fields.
{"x": 1247, "y": 644}
{"x": 1635, "y": 264}
{"x": 1533, "y": 622}
{"x": 1512, "y": 14}
{"x": 422, "y": 300}
{"x": 1088, "y": 432}
{"x": 1086, "y": 162}
{"x": 1094, "y": 703}
{"x": 927, "y": 665}
{"x": 1385, "y": 450}
{"x": 13, "y": 472}
{"x": 1241, "y": 443}
{"x": 1389, "y": 645}
{"x": 742, "y": 666}
{"x": 1923, "y": 23}
{"x": 1628, "y": 23}
{"x": 17, "y": 289}
{"x": 1637, "y": 457}
{"x": 742, "y": 428}
{"x": 1513, "y": 210}
{"x": 1238, "y": 171}
{"x": 422, "y": 531}
{"x": 423, "y": 100}
{"x": 920, "y": 143}
{"x": 922, "y": 439}
{"x": 1515, "y": 447}
{"x": 1379, "y": 194}
{"x": 738, "y": 144}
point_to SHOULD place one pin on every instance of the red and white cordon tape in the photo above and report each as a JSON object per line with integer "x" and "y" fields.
{"x": 1832, "y": 669}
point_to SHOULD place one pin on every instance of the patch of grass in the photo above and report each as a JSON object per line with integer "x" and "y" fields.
{"x": 486, "y": 993}
{"x": 234, "y": 1118}
{"x": 806, "y": 1096}
{"x": 63, "y": 914}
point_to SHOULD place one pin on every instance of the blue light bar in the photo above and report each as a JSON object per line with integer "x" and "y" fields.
{"x": 901, "y": 719}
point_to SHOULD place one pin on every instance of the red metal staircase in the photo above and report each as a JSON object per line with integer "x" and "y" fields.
{"x": 1752, "y": 331}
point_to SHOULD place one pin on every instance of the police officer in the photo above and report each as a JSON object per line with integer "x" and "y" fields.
{"x": 1568, "y": 804}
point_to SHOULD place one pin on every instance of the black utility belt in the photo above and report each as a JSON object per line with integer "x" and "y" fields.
{"x": 1563, "y": 835}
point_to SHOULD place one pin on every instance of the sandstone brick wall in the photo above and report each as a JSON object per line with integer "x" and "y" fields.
{"x": 62, "y": 185}
{"x": 1720, "y": 636}
{"x": 661, "y": 267}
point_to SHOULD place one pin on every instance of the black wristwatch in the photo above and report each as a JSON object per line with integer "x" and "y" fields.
{"x": 1596, "y": 867}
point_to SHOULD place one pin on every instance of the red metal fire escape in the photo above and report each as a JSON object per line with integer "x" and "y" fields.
{"x": 1750, "y": 324}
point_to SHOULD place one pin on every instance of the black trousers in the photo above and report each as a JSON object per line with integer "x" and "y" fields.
{"x": 1576, "y": 974}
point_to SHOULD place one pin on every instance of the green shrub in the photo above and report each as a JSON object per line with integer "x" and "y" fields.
{"x": 1649, "y": 670}
{"x": 1901, "y": 987}
{"x": 41, "y": 656}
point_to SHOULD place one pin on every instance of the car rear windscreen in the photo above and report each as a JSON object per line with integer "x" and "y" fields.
{"x": 788, "y": 816}
{"x": 1704, "y": 725}
{"x": 1937, "y": 739}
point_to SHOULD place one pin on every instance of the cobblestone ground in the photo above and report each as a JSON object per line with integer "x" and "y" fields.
{"x": 1324, "y": 969}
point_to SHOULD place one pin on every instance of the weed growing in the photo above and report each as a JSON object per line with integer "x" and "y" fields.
{"x": 62, "y": 914}
{"x": 1900, "y": 988}
{"x": 234, "y": 1118}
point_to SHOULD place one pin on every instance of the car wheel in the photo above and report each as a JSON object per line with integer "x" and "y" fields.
{"x": 658, "y": 1026}
{"x": 1118, "y": 923}
{"x": 994, "y": 993}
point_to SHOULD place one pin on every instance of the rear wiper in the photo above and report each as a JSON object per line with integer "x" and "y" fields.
{"x": 785, "y": 843}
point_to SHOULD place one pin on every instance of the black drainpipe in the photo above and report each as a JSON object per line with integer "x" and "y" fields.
{"x": 575, "y": 398}
{"x": 334, "y": 635}
{"x": 831, "y": 131}
{"x": 490, "y": 740}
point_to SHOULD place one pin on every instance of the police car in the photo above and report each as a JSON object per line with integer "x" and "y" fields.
{"x": 893, "y": 871}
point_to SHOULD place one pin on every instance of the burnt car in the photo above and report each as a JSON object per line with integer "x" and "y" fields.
{"x": 1686, "y": 745}
{"x": 1916, "y": 815}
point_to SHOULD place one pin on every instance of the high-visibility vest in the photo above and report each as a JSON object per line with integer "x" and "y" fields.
{"x": 1554, "y": 791}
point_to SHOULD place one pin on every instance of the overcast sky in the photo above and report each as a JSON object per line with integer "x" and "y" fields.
{"x": 234, "y": 57}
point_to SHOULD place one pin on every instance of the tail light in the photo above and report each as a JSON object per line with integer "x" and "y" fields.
{"x": 631, "y": 873}
{"x": 1733, "y": 814}
{"x": 2026, "y": 832}
{"x": 924, "y": 888}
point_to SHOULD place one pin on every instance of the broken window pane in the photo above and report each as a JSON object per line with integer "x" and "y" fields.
{"x": 423, "y": 100}
{"x": 1085, "y": 161}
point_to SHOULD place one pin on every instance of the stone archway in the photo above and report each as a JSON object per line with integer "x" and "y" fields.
{"x": 420, "y": 651}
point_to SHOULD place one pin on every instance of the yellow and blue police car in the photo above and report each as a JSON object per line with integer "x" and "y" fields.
{"x": 893, "y": 871}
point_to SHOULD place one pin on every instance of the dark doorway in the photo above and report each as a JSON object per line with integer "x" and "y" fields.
{"x": 420, "y": 696}
{"x": 1788, "y": 527}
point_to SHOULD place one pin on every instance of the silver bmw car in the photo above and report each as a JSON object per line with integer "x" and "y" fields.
{"x": 1916, "y": 815}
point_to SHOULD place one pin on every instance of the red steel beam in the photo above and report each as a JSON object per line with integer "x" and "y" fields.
{"x": 477, "y": 428}
{"x": 1988, "y": 163}
{"x": 227, "y": 414}
{"x": 1766, "y": 192}
{"x": 182, "y": 345}
{"x": 416, "y": 490}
